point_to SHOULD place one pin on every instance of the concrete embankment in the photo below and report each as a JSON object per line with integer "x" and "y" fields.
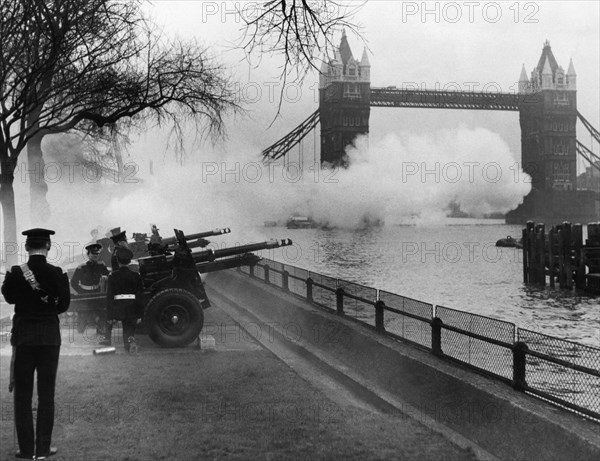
{"x": 448, "y": 398}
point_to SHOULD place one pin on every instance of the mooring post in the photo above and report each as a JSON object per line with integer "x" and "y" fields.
{"x": 568, "y": 255}
{"x": 542, "y": 254}
{"x": 436, "y": 336}
{"x": 525, "y": 260}
{"x": 519, "y": 365}
{"x": 593, "y": 240}
{"x": 561, "y": 257}
{"x": 551, "y": 255}
{"x": 339, "y": 295}
{"x": 379, "y": 308}
{"x": 531, "y": 251}
{"x": 578, "y": 250}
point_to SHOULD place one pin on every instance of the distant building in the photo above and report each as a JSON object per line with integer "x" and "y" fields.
{"x": 590, "y": 180}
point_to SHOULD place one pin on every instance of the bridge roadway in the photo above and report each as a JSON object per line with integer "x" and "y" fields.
{"x": 395, "y": 97}
{"x": 354, "y": 365}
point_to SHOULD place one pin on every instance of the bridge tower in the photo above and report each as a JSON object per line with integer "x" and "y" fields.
{"x": 344, "y": 102}
{"x": 548, "y": 139}
{"x": 548, "y": 118}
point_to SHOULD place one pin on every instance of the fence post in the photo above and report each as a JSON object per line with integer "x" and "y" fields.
{"x": 519, "y": 364}
{"x": 436, "y": 336}
{"x": 339, "y": 296}
{"x": 379, "y": 308}
{"x": 309, "y": 290}
{"x": 266, "y": 273}
{"x": 285, "y": 280}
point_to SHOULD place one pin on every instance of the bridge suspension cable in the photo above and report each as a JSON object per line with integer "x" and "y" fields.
{"x": 293, "y": 138}
{"x": 593, "y": 131}
{"x": 587, "y": 154}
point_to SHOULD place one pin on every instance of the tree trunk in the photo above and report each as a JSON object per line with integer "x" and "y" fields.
{"x": 9, "y": 248}
{"x": 39, "y": 208}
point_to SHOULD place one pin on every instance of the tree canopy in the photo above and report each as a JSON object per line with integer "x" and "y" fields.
{"x": 86, "y": 64}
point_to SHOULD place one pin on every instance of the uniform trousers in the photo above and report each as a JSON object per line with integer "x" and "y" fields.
{"x": 129, "y": 327}
{"x": 44, "y": 360}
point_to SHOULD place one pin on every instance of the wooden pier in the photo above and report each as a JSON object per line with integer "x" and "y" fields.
{"x": 562, "y": 256}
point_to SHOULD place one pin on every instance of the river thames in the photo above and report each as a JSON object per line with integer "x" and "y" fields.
{"x": 454, "y": 264}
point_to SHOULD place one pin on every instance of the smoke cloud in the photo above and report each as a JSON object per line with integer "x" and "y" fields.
{"x": 401, "y": 177}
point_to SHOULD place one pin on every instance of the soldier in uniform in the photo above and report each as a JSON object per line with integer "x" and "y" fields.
{"x": 90, "y": 277}
{"x": 39, "y": 291}
{"x": 87, "y": 277}
{"x": 119, "y": 240}
{"x": 124, "y": 298}
{"x": 94, "y": 234}
{"x": 155, "y": 244}
{"x": 106, "y": 250}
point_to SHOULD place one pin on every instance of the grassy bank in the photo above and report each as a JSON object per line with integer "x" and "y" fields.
{"x": 228, "y": 404}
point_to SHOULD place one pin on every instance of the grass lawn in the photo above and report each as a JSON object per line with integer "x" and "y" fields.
{"x": 242, "y": 404}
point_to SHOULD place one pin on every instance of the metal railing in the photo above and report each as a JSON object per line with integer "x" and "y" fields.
{"x": 562, "y": 372}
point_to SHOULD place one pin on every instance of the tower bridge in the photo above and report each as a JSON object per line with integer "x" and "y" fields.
{"x": 547, "y": 106}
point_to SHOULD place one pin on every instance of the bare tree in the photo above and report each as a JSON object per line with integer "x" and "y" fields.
{"x": 81, "y": 64}
{"x": 301, "y": 32}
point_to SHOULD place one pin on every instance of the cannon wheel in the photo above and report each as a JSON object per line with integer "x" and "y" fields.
{"x": 174, "y": 317}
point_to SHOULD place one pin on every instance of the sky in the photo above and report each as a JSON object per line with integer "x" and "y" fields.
{"x": 471, "y": 156}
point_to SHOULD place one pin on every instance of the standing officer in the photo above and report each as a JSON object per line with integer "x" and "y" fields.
{"x": 119, "y": 240}
{"x": 106, "y": 250}
{"x": 87, "y": 276}
{"x": 124, "y": 299}
{"x": 39, "y": 291}
{"x": 90, "y": 277}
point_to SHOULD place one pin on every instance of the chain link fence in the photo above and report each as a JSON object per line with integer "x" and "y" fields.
{"x": 563, "y": 372}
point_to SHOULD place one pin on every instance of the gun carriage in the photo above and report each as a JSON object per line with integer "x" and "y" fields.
{"x": 174, "y": 295}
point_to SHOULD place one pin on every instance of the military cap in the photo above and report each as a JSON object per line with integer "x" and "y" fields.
{"x": 116, "y": 235}
{"x": 93, "y": 247}
{"x": 124, "y": 255}
{"x": 38, "y": 235}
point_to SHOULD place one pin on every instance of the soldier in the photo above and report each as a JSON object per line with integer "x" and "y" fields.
{"x": 39, "y": 291}
{"x": 124, "y": 299}
{"x": 119, "y": 240}
{"x": 87, "y": 277}
{"x": 90, "y": 277}
{"x": 155, "y": 246}
{"x": 106, "y": 250}
{"x": 94, "y": 234}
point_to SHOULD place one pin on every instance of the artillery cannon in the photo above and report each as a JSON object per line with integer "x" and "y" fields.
{"x": 154, "y": 245}
{"x": 174, "y": 296}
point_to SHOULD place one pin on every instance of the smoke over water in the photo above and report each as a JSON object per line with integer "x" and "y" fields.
{"x": 400, "y": 178}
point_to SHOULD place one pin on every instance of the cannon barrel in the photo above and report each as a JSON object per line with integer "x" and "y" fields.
{"x": 211, "y": 255}
{"x": 173, "y": 240}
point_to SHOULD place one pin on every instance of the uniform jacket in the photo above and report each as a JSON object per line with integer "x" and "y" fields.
{"x": 114, "y": 263}
{"x": 86, "y": 278}
{"x": 124, "y": 282}
{"x": 106, "y": 250}
{"x": 35, "y": 322}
